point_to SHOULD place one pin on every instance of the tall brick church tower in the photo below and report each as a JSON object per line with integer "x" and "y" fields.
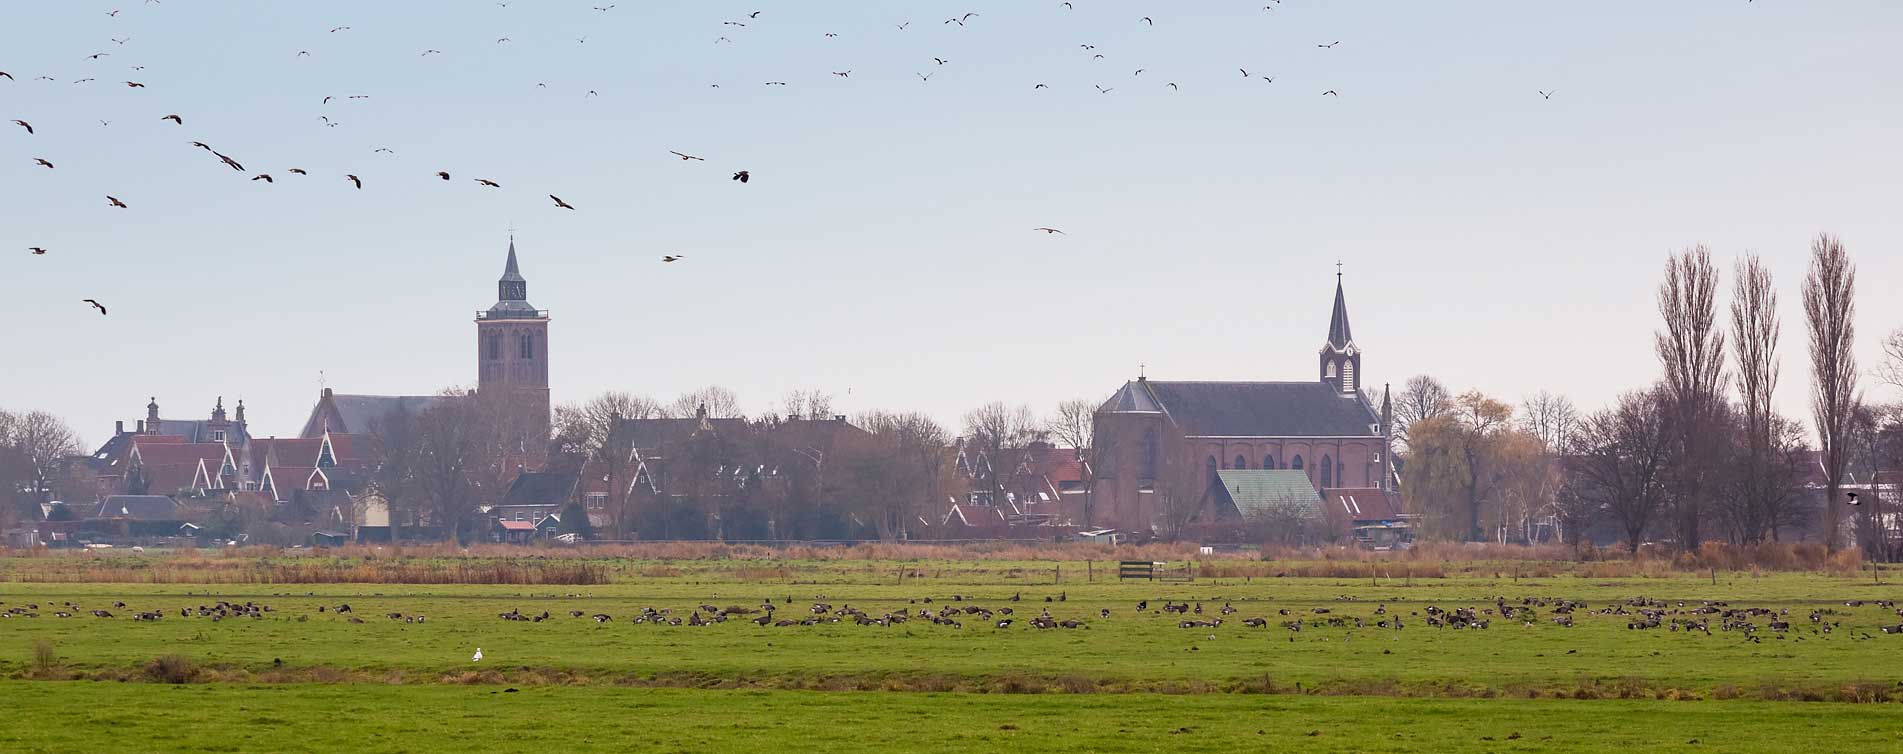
{"x": 512, "y": 348}
{"x": 1340, "y": 357}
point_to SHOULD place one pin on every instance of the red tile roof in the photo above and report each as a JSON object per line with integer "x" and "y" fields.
{"x": 287, "y": 451}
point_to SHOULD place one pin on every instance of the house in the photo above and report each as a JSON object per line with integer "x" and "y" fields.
{"x": 1373, "y": 517}
{"x": 141, "y": 515}
{"x": 533, "y": 497}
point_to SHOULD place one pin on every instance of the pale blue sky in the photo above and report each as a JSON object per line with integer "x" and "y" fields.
{"x": 1491, "y": 237}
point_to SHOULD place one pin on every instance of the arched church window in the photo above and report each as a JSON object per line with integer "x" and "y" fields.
{"x": 1296, "y": 462}
{"x": 527, "y": 349}
{"x": 1242, "y": 463}
{"x": 495, "y": 346}
{"x": 1331, "y": 369}
{"x": 1328, "y": 471}
{"x": 1347, "y": 376}
{"x": 1210, "y": 466}
{"x": 1149, "y": 453}
{"x": 1268, "y": 463}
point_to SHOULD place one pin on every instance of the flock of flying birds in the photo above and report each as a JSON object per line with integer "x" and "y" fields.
{"x": 739, "y": 176}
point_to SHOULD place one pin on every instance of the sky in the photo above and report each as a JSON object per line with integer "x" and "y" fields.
{"x": 884, "y": 250}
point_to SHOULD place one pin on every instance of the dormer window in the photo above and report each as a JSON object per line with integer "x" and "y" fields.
{"x": 217, "y": 435}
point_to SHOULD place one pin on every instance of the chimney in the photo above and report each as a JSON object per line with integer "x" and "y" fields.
{"x": 841, "y": 418}
{"x": 327, "y": 393}
{"x": 118, "y": 428}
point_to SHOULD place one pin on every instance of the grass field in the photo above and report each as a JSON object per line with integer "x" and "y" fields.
{"x": 1127, "y": 682}
{"x": 71, "y": 717}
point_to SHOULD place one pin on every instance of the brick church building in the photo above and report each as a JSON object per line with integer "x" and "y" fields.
{"x": 511, "y": 362}
{"x": 1162, "y": 445}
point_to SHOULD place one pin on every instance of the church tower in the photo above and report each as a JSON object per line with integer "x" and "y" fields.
{"x": 512, "y": 348}
{"x": 1340, "y": 357}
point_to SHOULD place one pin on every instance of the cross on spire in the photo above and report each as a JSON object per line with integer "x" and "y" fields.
{"x": 1337, "y": 270}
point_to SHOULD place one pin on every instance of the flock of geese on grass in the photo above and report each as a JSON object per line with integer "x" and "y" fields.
{"x": 1638, "y": 614}
{"x": 750, "y": 22}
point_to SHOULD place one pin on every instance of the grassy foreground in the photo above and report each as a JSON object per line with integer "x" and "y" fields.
{"x": 1128, "y": 651}
{"x": 88, "y": 717}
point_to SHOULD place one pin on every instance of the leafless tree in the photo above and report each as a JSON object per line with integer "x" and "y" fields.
{"x": 1757, "y": 487}
{"x": 1000, "y": 433}
{"x": 1621, "y": 462}
{"x": 1891, "y": 371}
{"x": 447, "y": 458}
{"x": 808, "y": 404}
{"x": 1829, "y": 314}
{"x": 596, "y": 431}
{"x": 897, "y": 473}
{"x": 43, "y": 442}
{"x": 721, "y": 403}
{"x": 1423, "y": 397}
{"x": 1551, "y": 418}
{"x": 1073, "y": 423}
{"x": 1691, "y": 348}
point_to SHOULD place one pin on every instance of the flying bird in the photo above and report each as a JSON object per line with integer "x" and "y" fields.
{"x": 299, "y": 171}
{"x": 42, "y": 161}
{"x": 99, "y": 306}
{"x": 230, "y": 163}
{"x": 339, "y": 28}
{"x": 1173, "y": 86}
{"x": 1101, "y": 90}
{"x": 489, "y": 183}
{"x": 684, "y": 156}
{"x": 37, "y": 250}
{"x": 1041, "y": 86}
{"x": 1146, "y": 19}
{"x": 203, "y": 145}
{"x": 427, "y": 53}
{"x": 98, "y": 55}
{"x": 443, "y": 174}
{"x": 174, "y": 119}
{"x": 383, "y": 150}
{"x": 559, "y": 202}
{"x": 115, "y": 202}
{"x": 25, "y": 125}
{"x": 1330, "y": 45}
{"x": 266, "y": 177}
{"x": 356, "y": 180}
{"x": 1331, "y": 92}
{"x": 941, "y": 61}
{"x": 925, "y": 76}
{"x": 1853, "y": 498}
{"x": 1051, "y": 231}
{"x": 673, "y": 257}
{"x": 1546, "y": 94}
{"x": 843, "y": 74}
{"x": 8, "y": 76}
{"x": 743, "y": 176}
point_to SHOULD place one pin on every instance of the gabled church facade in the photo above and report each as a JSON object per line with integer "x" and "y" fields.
{"x": 1161, "y": 445}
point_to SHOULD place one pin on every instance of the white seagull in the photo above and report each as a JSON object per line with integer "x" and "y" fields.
{"x": 478, "y": 657}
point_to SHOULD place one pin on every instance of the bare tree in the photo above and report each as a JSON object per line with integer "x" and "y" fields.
{"x": 446, "y": 458}
{"x": 1621, "y": 463}
{"x": 896, "y": 473}
{"x": 808, "y": 404}
{"x": 1757, "y": 486}
{"x": 1829, "y": 310}
{"x": 1691, "y": 348}
{"x": 1073, "y": 423}
{"x": 720, "y": 402}
{"x": 596, "y": 431}
{"x": 1551, "y": 418}
{"x": 1891, "y": 371}
{"x": 1423, "y": 397}
{"x": 44, "y": 442}
{"x": 1000, "y": 433}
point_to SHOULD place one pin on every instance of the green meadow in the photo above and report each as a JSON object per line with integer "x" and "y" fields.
{"x": 312, "y": 678}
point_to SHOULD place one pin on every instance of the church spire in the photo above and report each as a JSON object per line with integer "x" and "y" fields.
{"x": 512, "y": 290}
{"x": 1340, "y": 357}
{"x": 1339, "y": 334}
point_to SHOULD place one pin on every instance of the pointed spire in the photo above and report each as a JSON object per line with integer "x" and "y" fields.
{"x": 1339, "y": 334}
{"x": 512, "y": 272}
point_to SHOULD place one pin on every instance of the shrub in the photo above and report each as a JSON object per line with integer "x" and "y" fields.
{"x": 45, "y": 658}
{"x": 171, "y": 669}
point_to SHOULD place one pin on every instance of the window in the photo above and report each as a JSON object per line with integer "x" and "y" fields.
{"x": 217, "y": 435}
{"x": 1268, "y": 463}
{"x": 527, "y": 348}
{"x": 1242, "y": 463}
{"x": 1331, "y": 369}
{"x": 1347, "y": 376}
{"x": 495, "y": 346}
{"x": 1210, "y": 466}
{"x": 1149, "y": 453}
{"x": 1328, "y": 471}
{"x": 597, "y": 500}
{"x": 1296, "y": 464}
